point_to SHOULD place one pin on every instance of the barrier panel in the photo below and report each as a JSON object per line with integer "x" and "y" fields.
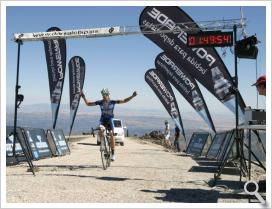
{"x": 19, "y": 154}
{"x": 38, "y": 143}
{"x": 229, "y": 147}
{"x": 57, "y": 142}
{"x": 199, "y": 143}
{"x": 216, "y": 145}
{"x": 258, "y": 144}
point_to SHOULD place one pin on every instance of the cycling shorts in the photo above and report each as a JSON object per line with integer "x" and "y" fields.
{"x": 107, "y": 123}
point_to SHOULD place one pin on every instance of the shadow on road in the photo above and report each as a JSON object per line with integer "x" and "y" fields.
{"x": 108, "y": 178}
{"x": 76, "y": 167}
{"x": 69, "y": 167}
{"x": 213, "y": 169}
{"x": 213, "y": 163}
{"x": 194, "y": 195}
{"x": 104, "y": 178}
{"x": 90, "y": 144}
{"x": 186, "y": 195}
{"x": 146, "y": 167}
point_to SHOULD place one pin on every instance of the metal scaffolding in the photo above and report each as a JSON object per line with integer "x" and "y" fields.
{"x": 132, "y": 30}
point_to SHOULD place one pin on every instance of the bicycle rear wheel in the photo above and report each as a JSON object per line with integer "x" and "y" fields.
{"x": 105, "y": 153}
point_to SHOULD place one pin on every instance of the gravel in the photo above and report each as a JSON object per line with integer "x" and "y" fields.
{"x": 142, "y": 173}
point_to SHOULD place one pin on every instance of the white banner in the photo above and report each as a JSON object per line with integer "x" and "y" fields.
{"x": 81, "y": 33}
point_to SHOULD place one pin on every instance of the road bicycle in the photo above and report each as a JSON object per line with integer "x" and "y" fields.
{"x": 105, "y": 146}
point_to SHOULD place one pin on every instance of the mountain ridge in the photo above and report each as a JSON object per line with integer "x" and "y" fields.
{"x": 138, "y": 121}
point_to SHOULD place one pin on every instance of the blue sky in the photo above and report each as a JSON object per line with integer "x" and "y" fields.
{"x": 118, "y": 63}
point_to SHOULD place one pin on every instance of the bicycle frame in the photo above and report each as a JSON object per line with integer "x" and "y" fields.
{"x": 105, "y": 147}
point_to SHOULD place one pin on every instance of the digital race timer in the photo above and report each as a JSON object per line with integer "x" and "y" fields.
{"x": 210, "y": 39}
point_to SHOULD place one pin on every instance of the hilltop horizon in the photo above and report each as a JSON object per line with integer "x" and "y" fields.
{"x": 45, "y": 107}
{"x": 139, "y": 121}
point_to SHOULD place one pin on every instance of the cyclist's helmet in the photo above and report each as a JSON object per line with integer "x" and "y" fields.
{"x": 105, "y": 92}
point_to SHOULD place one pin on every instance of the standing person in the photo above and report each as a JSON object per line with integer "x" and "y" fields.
{"x": 167, "y": 134}
{"x": 261, "y": 85}
{"x": 107, "y": 107}
{"x": 176, "y": 142}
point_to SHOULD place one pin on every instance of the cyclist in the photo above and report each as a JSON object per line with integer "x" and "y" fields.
{"x": 107, "y": 107}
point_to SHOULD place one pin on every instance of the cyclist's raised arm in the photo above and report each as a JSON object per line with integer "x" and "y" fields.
{"x": 88, "y": 103}
{"x": 127, "y": 99}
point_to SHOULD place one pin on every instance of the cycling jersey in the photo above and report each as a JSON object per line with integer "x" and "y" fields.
{"x": 106, "y": 109}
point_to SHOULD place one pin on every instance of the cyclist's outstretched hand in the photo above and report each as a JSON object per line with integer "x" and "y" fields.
{"x": 134, "y": 94}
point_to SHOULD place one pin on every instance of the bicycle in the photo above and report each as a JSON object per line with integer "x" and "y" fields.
{"x": 105, "y": 146}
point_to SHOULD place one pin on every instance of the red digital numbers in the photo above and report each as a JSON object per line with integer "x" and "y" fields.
{"x": 206, "y": 40}
{"x": 227, "y": 38}
{"x": 191, "y": 41}
{"x": 219, "y": 39}
{"x": 210, "y": 38}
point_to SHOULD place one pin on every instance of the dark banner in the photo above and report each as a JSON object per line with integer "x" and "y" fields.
{"x": 164, "y": 92}
{"x": 57, "y": 142}
{"x": 197, "y": 144}
{"x": 204, "y": 64}
{"x": 55, "y": 52}
{"x": 76, "y": 77}
{"x": 185, "y": 84}
{"x": 19, "y": 156}
{"x": 38, "y": 143}
{"x": 216, "y": 145}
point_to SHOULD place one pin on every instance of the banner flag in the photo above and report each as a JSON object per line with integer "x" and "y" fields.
{"x": 76, "y": 78}
{"x": 204, "y": 64}
{"x": 164, "y": 92}
{"x": 55, "y": 52}
{"x": 185, "y": 84}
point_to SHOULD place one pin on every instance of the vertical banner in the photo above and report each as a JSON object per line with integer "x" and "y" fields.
{"x": 204, "y": 64}
{"x": 76, "y": 78}
{"x": 185, "y": 84}
{"x": 55, "y": 52}
{"x": 164, "y": 92}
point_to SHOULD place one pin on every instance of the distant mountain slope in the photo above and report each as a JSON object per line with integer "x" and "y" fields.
{"x": 138, "y": 121}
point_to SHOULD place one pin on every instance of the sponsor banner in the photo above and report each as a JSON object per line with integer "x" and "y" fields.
{"x": 55, "y": 52}
{"x": 21, "y": 147}
{"x": 76, "y": 78}
{"x": 57, "y": 142}
{"x": 81, "y": 33}
{"x": 198, "y": 144}
{"x": 204, "y": 64}
{"x": 229, "y": 147}
{"x": 10, "y": 142}
{"x": 38, "y": 143}
{"x": 185, "y": 84}
{"x": 216, "y": 145}
{"x": 164, "y": 92}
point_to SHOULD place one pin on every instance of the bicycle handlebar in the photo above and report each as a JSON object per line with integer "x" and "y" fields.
{"x": 100, "y": 128}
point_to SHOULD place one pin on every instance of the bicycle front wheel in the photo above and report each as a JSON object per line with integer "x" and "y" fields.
{"x": 105, "y": 153}
{"x": 109, "y": 158}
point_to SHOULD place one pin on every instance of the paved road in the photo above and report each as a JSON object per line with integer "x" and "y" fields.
{"x": 142, "y": 173}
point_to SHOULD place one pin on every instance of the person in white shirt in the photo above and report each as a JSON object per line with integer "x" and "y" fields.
{"x": 167, "y": 135}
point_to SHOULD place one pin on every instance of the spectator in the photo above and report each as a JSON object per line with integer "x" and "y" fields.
{"x": 261, "y": 85}
{"x": 167, "y": 134}
{"x": 176, "y": 142}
